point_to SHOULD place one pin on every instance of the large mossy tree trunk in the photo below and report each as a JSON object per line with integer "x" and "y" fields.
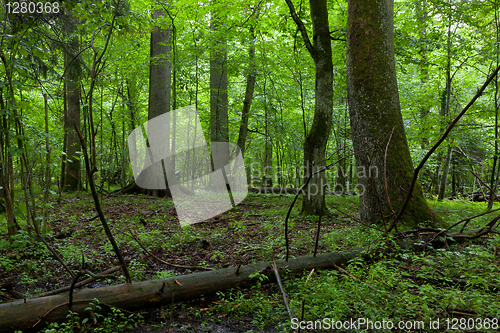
{"x": 385, "y": 168}
{"x": 315, "y": 143}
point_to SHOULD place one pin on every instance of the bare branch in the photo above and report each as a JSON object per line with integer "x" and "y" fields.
{"x": 436, "y": 145}
{"x": 302, "y": 28}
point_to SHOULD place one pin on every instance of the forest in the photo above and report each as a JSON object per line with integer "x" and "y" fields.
{"x": 249, "y": 166}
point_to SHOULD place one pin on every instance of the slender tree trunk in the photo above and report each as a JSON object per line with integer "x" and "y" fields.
{"x": 72, "y": 169}
{"x": 445, "y": 109}
{"x": 267, "y": 179}
{"x": 421, "y": 7}
{"x": 193, "y": 169}
{"x": 385, "y": 168}
{"x": 341, "y": 175}
{"x": 218, "y": 98}
{"x": 313, "y": 202}
{"x": 494, "y": 177}
{"x": 250, "y": 87}
{"x": 47, "y": 168}
{"x": 12, "y": 228}
{"x": 444, "y": 176}
{"x": 65, "y": 136}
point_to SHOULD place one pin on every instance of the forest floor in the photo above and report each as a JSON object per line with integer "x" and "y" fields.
{"x": 401, "y": 286}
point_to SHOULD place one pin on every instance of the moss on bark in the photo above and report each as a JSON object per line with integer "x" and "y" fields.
{"x": 377, "y": 128}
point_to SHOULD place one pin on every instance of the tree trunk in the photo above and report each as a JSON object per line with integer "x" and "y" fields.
{"x": 22, "y": 314}
{"x": 421, "y": 12}
{"x": 247, "y": 102}
{"x": 313, "y": 202}
{"x": 494, "y": 176}
{"x": 445, "y": 108}
{"x": 383, "y": 158}
{"x": 158, "y": 104}
{"x": 268, "y": 174}
{"x": 159, "y": 70}
{"x": 47, "y": 168}
{"x": 444, "y": 176}
{"x": 5, "y": 174}
{"x": 65, "y": 136}
{"x": 218, "y": 100}
{"x": 72, "y": 168}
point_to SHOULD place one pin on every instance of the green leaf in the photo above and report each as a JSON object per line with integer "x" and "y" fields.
{"x": 23, "y": 52}
{"x": 39, "y": 53}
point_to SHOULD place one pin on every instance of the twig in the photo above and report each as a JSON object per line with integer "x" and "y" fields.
{"x": 302, "y": 28}
{"x": 385, "y": 173}
{"x": 290, "y": 210}
{"x": 97, "y": 204}
{"x": 104, "y": 274}
{"x": 349, "y": 274}
{"x": 72, "y": 287}
{"x": 304, "y": 301}
{"x": 297, "y": 195}
{"x": 484, "y": 184}
{"x": 278, "y": 280}
{"x": 318, "y": 231}
{"x": 133, "y": 236}
{"x": 36, "y": 227}
{"x": 461, "y": 221}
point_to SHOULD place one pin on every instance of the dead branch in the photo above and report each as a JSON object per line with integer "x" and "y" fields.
{"x": 436, "y": 145}
{"x": 80, "y": 284}
{"x": 278, "y": 280}
{"x": 350, "y": 275}
{"x": 136, "y": 238}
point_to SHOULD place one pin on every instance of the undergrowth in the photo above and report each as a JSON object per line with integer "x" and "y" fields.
{"x": 448, "y": 283}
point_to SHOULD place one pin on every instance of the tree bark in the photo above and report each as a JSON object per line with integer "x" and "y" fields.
{"x": 72, "y": 168}
{"x": 444, "y": 176}
{"x": 47, "y": 168}
{"x": 159, "y": 103}
{"x": 5, "y": 174}
{"x": 315, "y": 144}
{"x": 65, "y": 136}
{"x": 494, "y": 176}
{"x": 22, "y": 314}
{"x": 218, "y": 98}
{"x": 383, "y": 158}
{"x": 421, "y": 12}
{"x": 247, "y": 102}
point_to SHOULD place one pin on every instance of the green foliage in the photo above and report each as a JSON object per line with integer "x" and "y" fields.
{"x": 113, "y": 321}
{"x": 20, "y": 240}
{"x": 281, "y": 113}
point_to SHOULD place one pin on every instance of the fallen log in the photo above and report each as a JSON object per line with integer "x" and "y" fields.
{"x": 33, "y": 312}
